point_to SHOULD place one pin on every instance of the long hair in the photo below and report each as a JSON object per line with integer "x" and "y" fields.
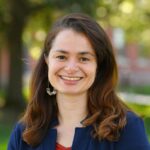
{"x": 107, "y": 114}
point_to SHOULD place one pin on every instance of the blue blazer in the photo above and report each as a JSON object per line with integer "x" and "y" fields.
{"x": 133, "y": 137}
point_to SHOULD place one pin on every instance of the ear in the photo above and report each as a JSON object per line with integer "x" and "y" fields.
{"x": 46, "y": 58}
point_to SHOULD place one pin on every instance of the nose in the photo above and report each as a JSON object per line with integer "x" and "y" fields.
{"x": 71, "y": 67}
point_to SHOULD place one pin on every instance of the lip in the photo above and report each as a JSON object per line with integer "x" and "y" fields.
{"x": 71, "y": 80}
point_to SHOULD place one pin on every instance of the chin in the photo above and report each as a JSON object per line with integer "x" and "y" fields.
{"x": 72, "y": 92}
{"x": 69, "y": 92}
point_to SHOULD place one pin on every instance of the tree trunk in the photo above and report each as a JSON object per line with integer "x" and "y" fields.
{"x": 17, "y": 12}
{"x": 14, "y": 96}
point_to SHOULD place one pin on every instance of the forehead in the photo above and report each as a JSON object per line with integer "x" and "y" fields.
{"x": 71, "y": 41}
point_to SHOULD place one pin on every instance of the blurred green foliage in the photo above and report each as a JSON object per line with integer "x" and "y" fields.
{"x": 142, "y": 110}
{"x": 133, "y": 16}
{"x": 145, "y": 90}
{"x": 5, "y": 131}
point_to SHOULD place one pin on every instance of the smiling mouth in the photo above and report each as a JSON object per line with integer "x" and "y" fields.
{"x": 71, "y": 78}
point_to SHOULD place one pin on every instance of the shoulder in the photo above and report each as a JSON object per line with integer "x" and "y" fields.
{"x": 19, "y": 126}
{"x": 18, "y": 129}
{"x": 133, "y": 135}
{"x": 131, "y": 116}
{"x": 134, "y": 122}
{"x": 16, "y": 136}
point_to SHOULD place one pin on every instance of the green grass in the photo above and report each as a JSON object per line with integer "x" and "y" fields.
{"x": 7, "y": 120}
{"x": 4, "y": 135}
{"x": 135, "y": 89}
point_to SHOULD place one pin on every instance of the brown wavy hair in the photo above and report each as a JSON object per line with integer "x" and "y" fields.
{"x": 107, "y": 113}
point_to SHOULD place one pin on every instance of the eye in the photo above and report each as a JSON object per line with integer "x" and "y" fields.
{"x": 84, "y": 59}
{"x": 61, "y": 57}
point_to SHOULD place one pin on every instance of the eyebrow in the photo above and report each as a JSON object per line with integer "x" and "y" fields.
{"x": 61, "y": 51}
{"x": 87, "y": 53}
{"x": 80, "y": 53}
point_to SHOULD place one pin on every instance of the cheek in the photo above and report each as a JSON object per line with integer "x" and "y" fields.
{"x": 51, "y": 75}
{"x": 53, "y": 68}
{"x": 93, "y": 69}
{"x": 92, "y": 73}
{"x": 52, "y": 65}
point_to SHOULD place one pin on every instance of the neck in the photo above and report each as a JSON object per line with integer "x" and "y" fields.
{"x": 72, "y": 109}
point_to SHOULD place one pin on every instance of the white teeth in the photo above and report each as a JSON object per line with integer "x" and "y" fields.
{"x": 71, "y": 78}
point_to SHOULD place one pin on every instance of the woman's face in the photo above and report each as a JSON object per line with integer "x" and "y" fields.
{"x": 71, "y": 63}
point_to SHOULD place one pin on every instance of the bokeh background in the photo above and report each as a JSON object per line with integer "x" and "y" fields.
{"x": 24, "y": 25}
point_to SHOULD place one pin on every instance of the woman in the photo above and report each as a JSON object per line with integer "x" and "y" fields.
{"x": 73, "y": 100}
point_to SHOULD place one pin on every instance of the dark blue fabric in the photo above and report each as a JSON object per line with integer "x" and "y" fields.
{"x": 133, "y": 137}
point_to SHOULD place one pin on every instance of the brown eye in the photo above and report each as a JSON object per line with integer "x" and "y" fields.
{"x": 61, "y": 57}
{"x": 84, "y": 59}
